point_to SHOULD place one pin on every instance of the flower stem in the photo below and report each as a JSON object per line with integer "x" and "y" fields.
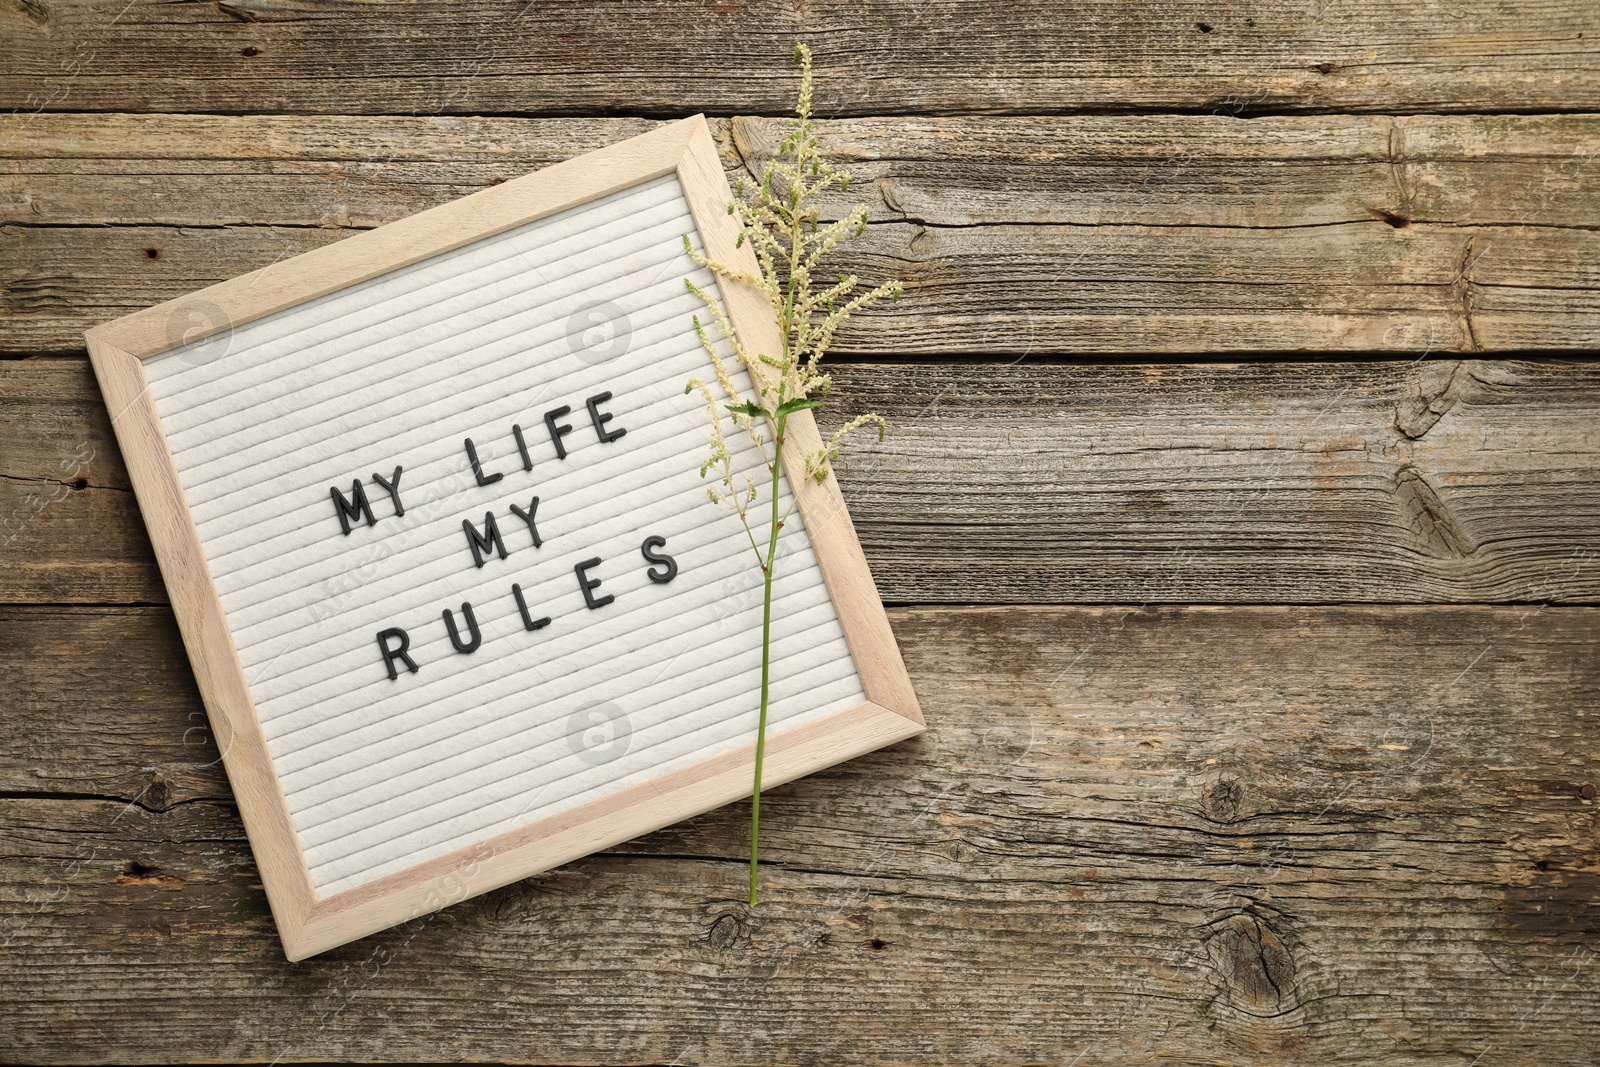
{"x": 766, "y": 657}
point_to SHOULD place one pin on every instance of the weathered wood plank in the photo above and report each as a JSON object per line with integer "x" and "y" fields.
{"x": 476, "y": 57}
{"x": 1244, "y": 835}
{"x": 1036, "y": 236}
{"x": 1438, "y": 481}
{"x": 1211, "y": 170}
{"x": 101, "y": 701}
{"x": 222, "y": 170}
{"x": 999, "y": 290}
{"x": 1155, "y": 170}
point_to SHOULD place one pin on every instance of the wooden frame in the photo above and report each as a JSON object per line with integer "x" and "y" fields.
{"x": 308, "y": 923}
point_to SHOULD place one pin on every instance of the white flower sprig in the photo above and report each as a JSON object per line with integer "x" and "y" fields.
{"x": 779, "y": 216}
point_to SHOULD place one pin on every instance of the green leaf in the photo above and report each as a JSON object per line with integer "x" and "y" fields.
{"x": 799, "y": 403}
{"x": 750, "y": 408}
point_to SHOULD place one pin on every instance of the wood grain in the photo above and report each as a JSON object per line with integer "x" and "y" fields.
{"x": 1434, "y": 481}
{"x": 1160, "y": 170}
{"x": 1036, "y": 236}
{"x": 610, "y": 57}
{"x": 1242, "y": 835}
{"x": 1005, "y": 289}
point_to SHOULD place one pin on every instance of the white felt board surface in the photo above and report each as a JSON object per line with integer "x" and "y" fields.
{"x": 261, "y": 420}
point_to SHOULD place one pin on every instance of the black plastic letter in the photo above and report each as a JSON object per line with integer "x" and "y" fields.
{"x": 651, "y": 543}
{"x": 600, "y": 418}
{"x": 589, "y": 585}
{"x": 401, "y": 652}
{"x": 392, "y": 487}
{"x": 350, "y": 510}
{"x": 477, "y": 469}
{"x": 528, "y": 621}
{"x": 472, "y": 628}
{"x": 522, "y": 447}
{"x": 481, "y": 543}
{"x": 558, "y": 430}
{"x": 527, "y": 517}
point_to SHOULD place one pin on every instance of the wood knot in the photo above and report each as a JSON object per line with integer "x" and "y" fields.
{"x": 922, "y": 243}
{"x": 1434, "y": 391}
{"x": 1390, "y": 218}
{"x": 157, "y": 795}
{"x": 511, "y": 902}
{"x": 888, "y": 189}
{"x": 1432, "y": 523}
{"x": 32, "y": 11}
{"x": 136, "y": 873}
{"x": 725, "y": 932}
{"x": 1254, "y": 962}
{"x": 1222, "y": 800}
{"x": 237, "y": 13}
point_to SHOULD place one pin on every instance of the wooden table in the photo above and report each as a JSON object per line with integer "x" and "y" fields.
{"x": 1240, "y": 522}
